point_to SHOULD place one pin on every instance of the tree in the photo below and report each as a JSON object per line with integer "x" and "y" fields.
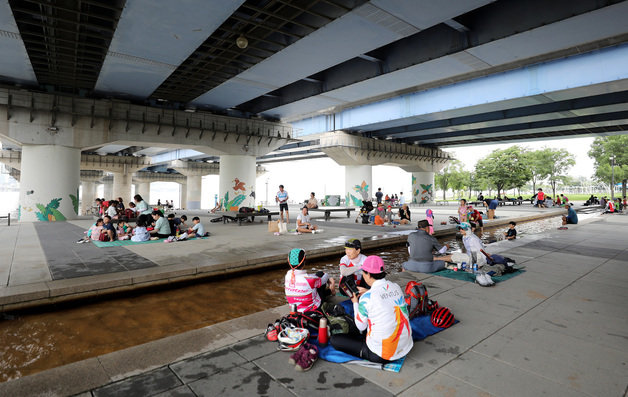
{"x": 602, "y": 150}
{"x": 449, "y": 177}
{"x": 559, "y": 161}
{"x": 538, "y": 167}
{"x": 505, "y": 169}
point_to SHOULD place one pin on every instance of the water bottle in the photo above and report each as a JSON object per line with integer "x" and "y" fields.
{"x": 293, "y": 308}
{"x": 323, "y": 336}
{"x": 464, "y": 265}
{"x": 475, "y": 268}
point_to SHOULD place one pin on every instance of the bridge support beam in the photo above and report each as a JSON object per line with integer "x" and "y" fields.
{"x": 107, "y": 190}
{"x": 358, "y": 184}
{"x": 49, "y": 183}
{"x": 237, "y": 181}
{"x": 89, "y": 181}
{"x": 122, "y": 182}
{"x": 143, "y": 189}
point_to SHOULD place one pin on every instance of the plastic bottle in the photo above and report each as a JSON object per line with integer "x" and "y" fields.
{"x": 293, "y": 308}
{"x": 475, "y": 268}
{"x": 464, "y": 266}
{"x": 323, "y": 337}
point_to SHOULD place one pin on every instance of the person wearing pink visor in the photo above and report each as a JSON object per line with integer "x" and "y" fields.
{"x": 382, "y": 312}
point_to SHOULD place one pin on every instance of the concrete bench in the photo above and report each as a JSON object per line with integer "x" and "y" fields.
{"x": 241, "y": 216}
{"x": 329, "y": 210}
{"x": 511, "y": 201}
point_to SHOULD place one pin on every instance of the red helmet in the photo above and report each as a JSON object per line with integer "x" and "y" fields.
{"x": 442, "y": 318}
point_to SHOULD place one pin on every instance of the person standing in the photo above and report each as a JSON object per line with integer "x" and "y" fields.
{"x": 402, "y": 200}
{"x": 282, "y": 199}
{"x": 540, "y": 196}
{"x": 379, "y": 195}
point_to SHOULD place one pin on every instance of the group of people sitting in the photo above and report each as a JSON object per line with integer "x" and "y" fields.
{"x": 391, "y": 199}
{"x": 542, "y": 200}
{"x": 382, "y": 215}
{"x": 115, "y": 209}
{"x": 379, "y": 306}
{"x": 148, "y": 227}
{"x": 613, "y": 206}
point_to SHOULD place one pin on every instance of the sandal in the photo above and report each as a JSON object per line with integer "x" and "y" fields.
{"x": 305, "y": 361}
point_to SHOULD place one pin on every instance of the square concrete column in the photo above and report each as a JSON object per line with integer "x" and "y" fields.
{"x": 183, "y": 194}
{"x": 358, "y": 184}
{"x": 122, "y": 182}
{"x": 422, "y": 187}
{"x": 143, "y": 189}
{"x": 107, "y": 190}
{"x": 88, "y": 194}
{"x": 49, "y": 186}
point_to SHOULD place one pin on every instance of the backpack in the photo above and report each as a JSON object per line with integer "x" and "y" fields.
{"x": 308, "y": 320}
{"x": 416, "y": 299}
{"x": 246, "y": 210}
{"x": 338, "y": 321}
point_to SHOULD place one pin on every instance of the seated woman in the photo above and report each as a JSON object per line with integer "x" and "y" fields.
{"x": 303, "y": 222}
{"x": 140, "y": 233}
{"x": 307, "y": 291}
{"x": 162, "y": 228}
{"x": 404, "y": 215}
{"x": 312, "y": 202}
{"x": 381, "y": 311}
{"x": 472, "y": 244}
{"x": 379, "y": 217}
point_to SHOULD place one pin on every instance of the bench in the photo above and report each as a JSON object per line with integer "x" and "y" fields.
{"x": 8, "y": 218}
{"x": 329, "y": 210}
{"x": 241, "y": 216}
{"x": 511, "y": 201}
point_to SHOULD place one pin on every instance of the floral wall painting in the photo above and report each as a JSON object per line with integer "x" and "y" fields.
{"x": 49, "y": 213}
{"x": 75, "y": 201}
{"x": 421, "y": 193}
{"x": 363, "y": 191}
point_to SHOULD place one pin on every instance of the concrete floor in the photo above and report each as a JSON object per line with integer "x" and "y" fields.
{"x": 557, "y": 329}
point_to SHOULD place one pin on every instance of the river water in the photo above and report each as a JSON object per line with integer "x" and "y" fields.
{"x": 43, "y": 338}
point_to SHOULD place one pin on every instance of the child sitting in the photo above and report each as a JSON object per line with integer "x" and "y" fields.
{"x": 197, "y": 230}
{"x": 140, "y": 233}
{"x": 124, "y": 229}
{"x": 93, "y": 232}
{"x": 511, "y": 233}
{"x": 307, "y": 291}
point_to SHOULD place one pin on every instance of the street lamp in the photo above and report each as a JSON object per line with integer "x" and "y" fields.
{"x": 613, "y": 178}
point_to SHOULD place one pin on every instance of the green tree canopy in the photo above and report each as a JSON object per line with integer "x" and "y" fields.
{"x": 602, "y": 149}
{"x": 558, "y": 162}
{"x": 449, "y": 177}
{"x": 538, "y": 166}
{"x": 505, "y": 169}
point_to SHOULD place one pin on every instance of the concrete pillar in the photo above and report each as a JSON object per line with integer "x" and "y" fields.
{"x": 193, "y": 192}
{"x": 423, "y": 187}
{"x": 49, "y": 183}
{"x": 88, "y": 194}
{"x": 183, "y": 195}
{"x": 237, "y": 181}
{"x": 107, "y": 190}
{"x": 358, "y": 184}
{"x": 122, "y": 185}
{"x": 143, "y": 189}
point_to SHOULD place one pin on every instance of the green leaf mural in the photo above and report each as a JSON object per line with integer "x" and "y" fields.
{"x": 356, "y": 201}
{"x": 75, "y": 201}
{"x": 50, "y": 213}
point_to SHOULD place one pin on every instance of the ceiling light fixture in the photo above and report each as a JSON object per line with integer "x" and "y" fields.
{"x": 242, "y": 42}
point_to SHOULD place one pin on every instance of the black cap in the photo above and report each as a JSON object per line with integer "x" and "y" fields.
{"x": 353, "y": 243}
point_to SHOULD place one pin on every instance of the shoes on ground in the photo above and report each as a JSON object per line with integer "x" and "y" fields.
{"x": 484, "y": 280}
{"x": 272, "y": 331}
{"x": 305, "y": 357}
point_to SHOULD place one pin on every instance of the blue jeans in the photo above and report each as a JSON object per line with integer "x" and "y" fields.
{"x": 423, "y": 266}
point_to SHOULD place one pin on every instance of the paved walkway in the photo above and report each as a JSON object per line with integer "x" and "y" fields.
{"x": 559, "y": 329}
{"x": 41, "y": 263}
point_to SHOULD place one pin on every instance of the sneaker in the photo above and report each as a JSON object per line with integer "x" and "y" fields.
{"x": 489, "y": 280}
{"x": 296, "y": 356}
{"x": 305, "y": 361}
{"x": 271, "y": 333}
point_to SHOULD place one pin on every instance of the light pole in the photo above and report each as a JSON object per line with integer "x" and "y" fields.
{"x": 613, "y": 178}
{"x": 267, "y": 192}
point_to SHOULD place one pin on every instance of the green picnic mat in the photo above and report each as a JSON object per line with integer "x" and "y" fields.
{"x": 122, "y": 243}
{"x": 465, "y": 276}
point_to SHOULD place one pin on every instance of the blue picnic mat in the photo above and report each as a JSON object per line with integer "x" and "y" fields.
{"x": 466, "y": 276}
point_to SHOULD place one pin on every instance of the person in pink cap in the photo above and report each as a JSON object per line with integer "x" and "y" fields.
{"x": 381, "y": 311}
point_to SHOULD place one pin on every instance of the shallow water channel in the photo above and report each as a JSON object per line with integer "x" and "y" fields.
{"x": 42, "y": 338}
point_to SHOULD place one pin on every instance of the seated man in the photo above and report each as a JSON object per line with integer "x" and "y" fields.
{"x": 381, "y": 311}
{"x": 307, "y": 291}
{"x": 572, "y": 217}
{"x": 303, "y": 222}
{"x": 312, "y": 202}
{"x": 420, "y": 248}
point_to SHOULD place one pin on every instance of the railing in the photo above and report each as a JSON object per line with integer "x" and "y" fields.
{"x": 8, "y": 218}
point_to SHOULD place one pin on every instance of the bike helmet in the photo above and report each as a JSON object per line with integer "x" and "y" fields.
{"x": 442, "y": 318}
{"x": 290, "y": 339}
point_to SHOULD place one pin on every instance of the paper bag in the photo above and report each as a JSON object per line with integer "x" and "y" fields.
{"x": 273, "y": 226}
{"x": 283, "y": 228}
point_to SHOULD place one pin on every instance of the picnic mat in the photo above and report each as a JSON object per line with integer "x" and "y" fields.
{"x": 421, "y": 328}
{"x": 466, "y": 276}
{"x": 122, "y": 243}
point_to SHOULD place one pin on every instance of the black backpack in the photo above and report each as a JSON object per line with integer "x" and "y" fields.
{"x": 246, "y": 210}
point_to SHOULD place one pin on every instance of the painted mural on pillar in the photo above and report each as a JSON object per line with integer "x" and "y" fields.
{"x": 75, "y": 201}
{"x": 422, "y": 193}
{"x": 50, "y": 213}
{"x": 363, "y": 190}
{"x": 234, "y": 203}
